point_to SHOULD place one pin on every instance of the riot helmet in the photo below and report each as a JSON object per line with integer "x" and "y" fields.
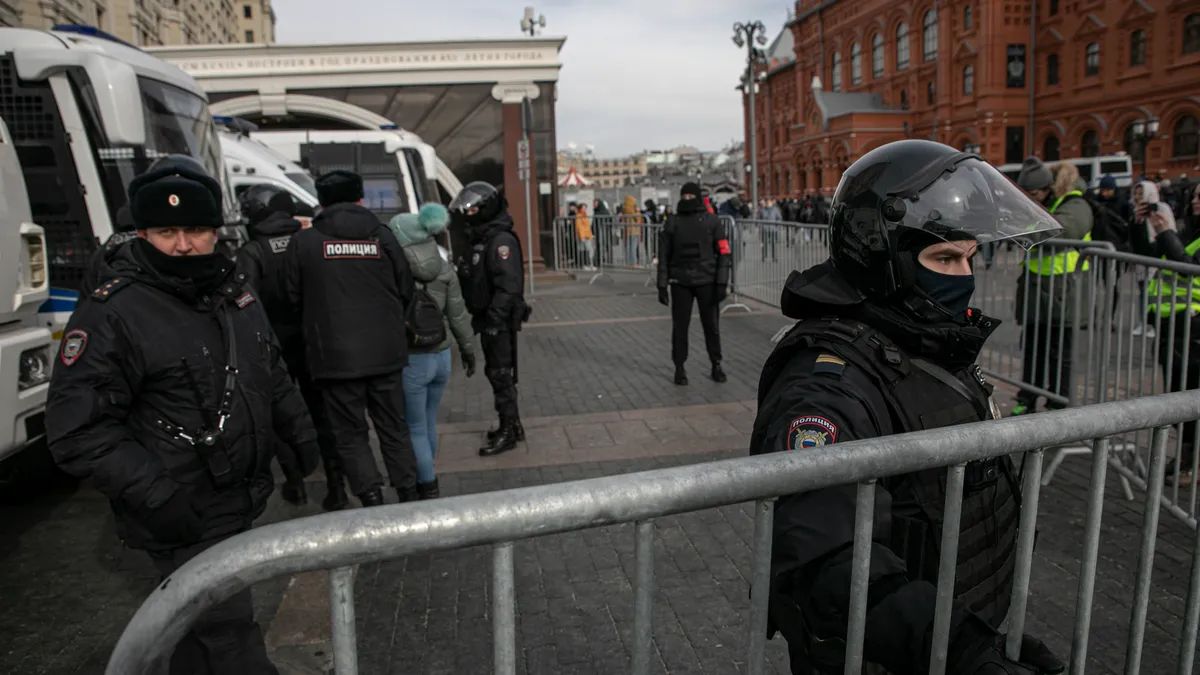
{"x": 257, "y": 202}
{"x": 900, "y": 198}
{"x": 478, "y": 203}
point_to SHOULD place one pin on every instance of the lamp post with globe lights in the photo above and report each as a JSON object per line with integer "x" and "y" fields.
{"x": 1144, "y": 131}
{"x": 746, "y": 35}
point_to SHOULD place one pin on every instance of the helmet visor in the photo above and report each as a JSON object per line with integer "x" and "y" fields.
{"x": 471, "y": 196}
{"x": 968, "y": 198}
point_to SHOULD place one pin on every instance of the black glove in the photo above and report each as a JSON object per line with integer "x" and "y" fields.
{"x": 663, "y": 298}
{"x": 979, "y": 650}
{"x": 491, "y": 331}
{"x": 468, "y": 359}
{"x": 722, "y": 292}
{"x": 174, "y": 521}
{"x": 309, "y": 455}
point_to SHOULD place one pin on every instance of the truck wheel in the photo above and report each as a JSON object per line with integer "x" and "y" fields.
{"x": 30, "y": 473}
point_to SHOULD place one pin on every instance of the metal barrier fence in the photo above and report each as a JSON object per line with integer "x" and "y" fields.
{"x": 336, "y": 541}
{"x": 765, "y": 253}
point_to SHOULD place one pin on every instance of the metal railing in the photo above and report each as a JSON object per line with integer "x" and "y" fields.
{"x": 766, "y": 252}
{"x": 337, "y": 541}
{"x": 600, "y": 244}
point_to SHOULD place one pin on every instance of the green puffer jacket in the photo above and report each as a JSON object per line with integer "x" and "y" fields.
{"x": 437, "y": 277}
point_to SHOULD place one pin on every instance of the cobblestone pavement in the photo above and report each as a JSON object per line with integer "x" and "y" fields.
{"x": 67, "y": 587}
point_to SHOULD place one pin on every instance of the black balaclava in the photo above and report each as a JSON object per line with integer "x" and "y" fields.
{"x": 198, "y": 273}
{"x": 952, "y": 291}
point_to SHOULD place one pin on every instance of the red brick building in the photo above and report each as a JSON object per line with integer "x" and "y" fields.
{"x": 847, "y": 76}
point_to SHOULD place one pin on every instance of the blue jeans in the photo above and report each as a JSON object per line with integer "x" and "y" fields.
{"x": 425, "y": 380}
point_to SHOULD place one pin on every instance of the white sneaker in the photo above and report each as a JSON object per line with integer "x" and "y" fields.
{"x": 1150, "y": 332}
{"x": 1137, "y": 330}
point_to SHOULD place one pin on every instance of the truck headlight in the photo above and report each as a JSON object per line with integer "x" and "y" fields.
{"x": 35, "y": 367}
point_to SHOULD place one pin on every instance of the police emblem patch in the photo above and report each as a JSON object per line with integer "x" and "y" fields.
{"x": 243, "y": 301}
{"x": 173, "y": 200}
{"x": 475, "y": 259}
{"x": 72, "y": 346}
{"x": 504, "y": 252}
{"x": 279, "y": 244}
{"x": 810, "y": 431}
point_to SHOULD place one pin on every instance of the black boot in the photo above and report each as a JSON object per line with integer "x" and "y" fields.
{"x": 718, "y": 375}
{"x": 680, "y": 376}
{"x": 491, "y": 434}
{"x": 293, "y": 492}
{"x": 428, "y": 490}
{"x": 372, "y": 497}
{"x": 504, "y": 440}
{"x": 335, "y": 492}
{"x": 408, "y": 494}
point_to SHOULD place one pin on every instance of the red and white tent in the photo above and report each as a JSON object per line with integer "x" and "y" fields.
{"x": 573, "y": 179}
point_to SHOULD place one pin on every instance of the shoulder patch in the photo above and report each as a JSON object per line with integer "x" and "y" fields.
{"x": 504, "y": 251}
{"x": 343, "y": 250}
{"x": 110, "y": 288}
{"x": 73, "y": 344}
{"x": 811, "y": 431}
{"x": 279, "y": 244}
{"x": 244, "y": 300}
{"x": 828, "y": 363}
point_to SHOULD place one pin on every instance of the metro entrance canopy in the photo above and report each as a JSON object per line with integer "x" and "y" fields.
{"x": 461, "y": 96}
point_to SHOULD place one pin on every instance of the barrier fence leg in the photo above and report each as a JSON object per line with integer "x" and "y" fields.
{"x": 341, "y": 601}
{"x": 1145, "y": 570}
{"x": 1191, "y": 623}
{"x": 860, "y": 576}
{"x": 504, "y": 615}
{"x": 1091, "y": 554}
{"x": 1026, "y": 534}
{"x": 939, "y": 653}
{"x": 643, "y": 601}
{"x": 760, "y": 584}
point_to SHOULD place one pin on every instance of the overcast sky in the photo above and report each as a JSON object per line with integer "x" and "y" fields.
{"x": 637, "y": 74}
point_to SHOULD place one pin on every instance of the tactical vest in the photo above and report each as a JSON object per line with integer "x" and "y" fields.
{"x": 1186, "y": 290}
{"x": 475, "y": 280}
{"x": 1060, "y": 263}
{"x": 693, "y": 249}
{"x": 919, "y": 396}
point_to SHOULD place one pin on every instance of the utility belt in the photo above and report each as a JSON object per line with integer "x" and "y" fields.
{"x": 209, "y": 441}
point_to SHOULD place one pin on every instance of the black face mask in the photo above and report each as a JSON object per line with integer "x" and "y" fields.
{"x": 952, "y": 291}
{"x": 202, "y": 272}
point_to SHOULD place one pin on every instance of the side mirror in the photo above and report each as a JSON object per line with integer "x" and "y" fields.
{"x": 114, "y": 82}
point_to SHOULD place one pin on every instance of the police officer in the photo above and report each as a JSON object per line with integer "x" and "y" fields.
{"x": 349, "y": 276}
{"x": 167, "y": 395}
{"x": 694, "y": 263}
{"x": 494, "y": 290}
{"x": 885, "y": 344}
{"x": 98, "y": 266}
{"x": 269, "y": 213}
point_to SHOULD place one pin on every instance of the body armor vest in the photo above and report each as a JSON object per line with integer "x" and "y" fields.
{"x": 920, "y": 395}
{"x": 476, "y": 279}
{"x": 693, "y": 258}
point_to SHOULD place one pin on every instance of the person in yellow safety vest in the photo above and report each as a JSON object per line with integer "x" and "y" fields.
{"x": 1046, "y": 289}
{"x": 1172, "y": 294}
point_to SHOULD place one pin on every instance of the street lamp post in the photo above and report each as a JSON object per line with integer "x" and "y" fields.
{"x": 746, "y": 35}
{"x": 1144, "y": 131}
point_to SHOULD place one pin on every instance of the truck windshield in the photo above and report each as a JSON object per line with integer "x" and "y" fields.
{"x": 303, "y": 180}
{"x": 177, "y": 122}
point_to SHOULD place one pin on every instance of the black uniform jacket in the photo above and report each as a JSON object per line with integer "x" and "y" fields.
{"x": 262, "y": 261}
{"x": 492, "y": 280}
{"x": 146, "y": 353}
{"x": 351, "y": 280}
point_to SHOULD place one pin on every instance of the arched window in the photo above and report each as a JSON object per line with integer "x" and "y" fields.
{"x": 1051, "y": 70}
{"x": 835, "y": 73}
{"x": 1091, "y": 64}
{"x": 967, "y": 17}
{"x": 902, "y": 46}
{"x": 1137, "y": 48}
{"x": 855, "y": 64}
{"x": 969, "y": 81}
{"x": 1050, "y": 149}
{"x": 1089, "y": 146}
{"x": 1184, "y": 140}
{"x": 1191, "y": 34}
{"x": 1133, "y": 145}
{"x": 877, "y": 56}
{"x": 929, "y": 38}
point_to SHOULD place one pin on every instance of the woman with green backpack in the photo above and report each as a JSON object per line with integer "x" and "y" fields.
{"x": 437, "y": 305}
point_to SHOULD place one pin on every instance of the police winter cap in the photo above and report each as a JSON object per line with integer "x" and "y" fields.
{"x": 1034, "y": 175}
{"x": 176, "y": 195}
{"x": 340, "y": 186}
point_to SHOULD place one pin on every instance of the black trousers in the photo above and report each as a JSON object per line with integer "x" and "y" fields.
{"x": 500, "y": 367}
{"x": 1045, "y": 339}
{"x": 226, "y": 640}
{"x": 705, "y": 298}
{"x": 311, "y": 394}
{"x": 346, "y": 404}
